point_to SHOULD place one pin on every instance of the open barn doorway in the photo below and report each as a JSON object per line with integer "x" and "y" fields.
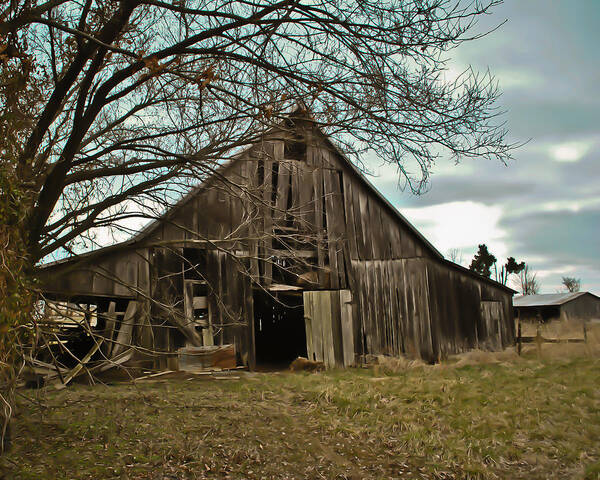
{"x": 279, "y": 330}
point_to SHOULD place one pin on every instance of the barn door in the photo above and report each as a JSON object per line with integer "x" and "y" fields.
{"x": 490, "y": 336}
{"x": 328, "y": 322}
{"x": 197, "y": 310}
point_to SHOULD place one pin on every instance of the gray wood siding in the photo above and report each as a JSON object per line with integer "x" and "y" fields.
{"x": 585, "y": 307}
{"x": 119, "y": 274}
{"x": 290, "y": 209}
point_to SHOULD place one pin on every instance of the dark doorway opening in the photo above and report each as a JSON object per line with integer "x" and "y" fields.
{"x": 279, "y": 331}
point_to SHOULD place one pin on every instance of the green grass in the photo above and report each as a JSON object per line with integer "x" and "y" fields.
{"x": 523, "y": 419}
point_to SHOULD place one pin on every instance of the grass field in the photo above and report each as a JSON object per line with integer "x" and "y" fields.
{"x": 479, "y": 416}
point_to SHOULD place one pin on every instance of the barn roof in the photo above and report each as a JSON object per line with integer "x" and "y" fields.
{"x": 137, "y": 240}
{"x": 146, "y": 230}
{"x": 548, "y": 299}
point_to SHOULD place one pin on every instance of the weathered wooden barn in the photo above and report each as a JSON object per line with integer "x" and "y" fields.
{"x": 557, "y": 306}
{"x": 285, "y": 251}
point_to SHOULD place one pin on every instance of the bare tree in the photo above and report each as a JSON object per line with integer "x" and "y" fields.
{"x": 111, "y": 110}
{"x": 572, "y": 284}
{"x": 528, "y": 283}
{"x": 455, "y": 255}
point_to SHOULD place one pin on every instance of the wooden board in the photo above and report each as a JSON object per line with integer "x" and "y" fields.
{"x": 346, "y": 319}
{"x": 329, "y": 327}
{"x": 308, "y": 321}
{"x": 123, "y": 340}
{"x": 111, "y": 321}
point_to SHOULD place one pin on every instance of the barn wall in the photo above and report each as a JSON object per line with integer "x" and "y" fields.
{"x": 230, "y": 296}
{"x": 467, "y": 312}
{"x": 116, "y": 274}
{"x": 167, "y": 291}
{"x": 423, "y": 309}
{"x": 292, "y": 211}
{"x": 391, "y": 298}
{"x": 584, "y": 307}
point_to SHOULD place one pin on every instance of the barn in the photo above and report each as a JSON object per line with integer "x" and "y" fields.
{"x": 286, "y": 250}
{"x": 557, "y": 306}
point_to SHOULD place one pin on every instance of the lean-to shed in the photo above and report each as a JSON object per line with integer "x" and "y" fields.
{"x": 285, "y": 251}
{"x": 557, "y": 306}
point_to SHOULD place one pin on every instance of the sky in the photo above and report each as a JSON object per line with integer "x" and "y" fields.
{"x": 544, "y": 206}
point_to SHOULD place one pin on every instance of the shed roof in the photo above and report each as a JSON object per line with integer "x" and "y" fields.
{"x": 547, "y": 299}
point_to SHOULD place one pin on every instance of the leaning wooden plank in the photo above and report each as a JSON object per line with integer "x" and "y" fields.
{"x": 47, "y": 370}
{"x": 126, "y": 330}
{"x": 75, "y": 370}
{"x": 153, "y": 375}
{"x": 112, "y": 362}
{"x": 109, "y": 331}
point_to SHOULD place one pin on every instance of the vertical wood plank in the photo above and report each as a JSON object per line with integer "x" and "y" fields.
{"x": 283, "y": 187}
{"x": 347, "y": 327}
{"x": 249, "y": 353}
{"x": 339, "y": 226}
{"x": 331, "y": 230}
{"x": 111, "y": 320}
{"x": 336, "y": 327}
{"x": 319, "y": 206}
{"x": 349, "y": 217}
{"x": 366, "y": 244}
{"x": 317, "y": 327}
{"x": 308, "y": 320}
{"x": 267, "y": 192}
{"x": 324, "y": 302}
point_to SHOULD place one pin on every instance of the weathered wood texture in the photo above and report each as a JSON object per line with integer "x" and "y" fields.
{"x": 328, "y": 321}
{"x": 581, "y": 308}
{"x": 118, "y": 274}
{"x": 292, "y": 210}
{"x": 469, "y": 312}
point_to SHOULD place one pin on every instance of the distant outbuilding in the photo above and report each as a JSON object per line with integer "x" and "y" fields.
{"x": 557, "y": 306}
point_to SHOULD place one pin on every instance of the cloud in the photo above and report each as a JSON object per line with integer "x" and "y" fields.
{"x": 571, "y": 151}
{"x": 461, "y": 225}
{"x": 563, "y": 237}
{"x": 518, "y": 79}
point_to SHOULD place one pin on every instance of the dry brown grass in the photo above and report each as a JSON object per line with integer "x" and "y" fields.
{"x": 477, "y": 416}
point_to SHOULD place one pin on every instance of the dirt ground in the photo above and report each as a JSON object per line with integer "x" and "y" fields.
{"x": 479, "y": 415}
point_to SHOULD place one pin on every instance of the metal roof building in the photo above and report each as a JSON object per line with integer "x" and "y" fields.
{"x": 563, "y": 306}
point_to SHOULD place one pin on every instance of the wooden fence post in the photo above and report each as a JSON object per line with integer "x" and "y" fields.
{"x": 519, "y": 340}
{"x": 538, "y": 341}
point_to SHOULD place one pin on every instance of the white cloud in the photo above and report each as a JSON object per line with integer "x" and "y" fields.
{"x": 512, "y": 78}
{"x": 565, "y": 204}
{"x": 461, "y": 225}
{"x": 570, "y": 151}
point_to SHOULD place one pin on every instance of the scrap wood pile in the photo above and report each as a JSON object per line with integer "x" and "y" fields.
{"x": 73, "y": 342}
